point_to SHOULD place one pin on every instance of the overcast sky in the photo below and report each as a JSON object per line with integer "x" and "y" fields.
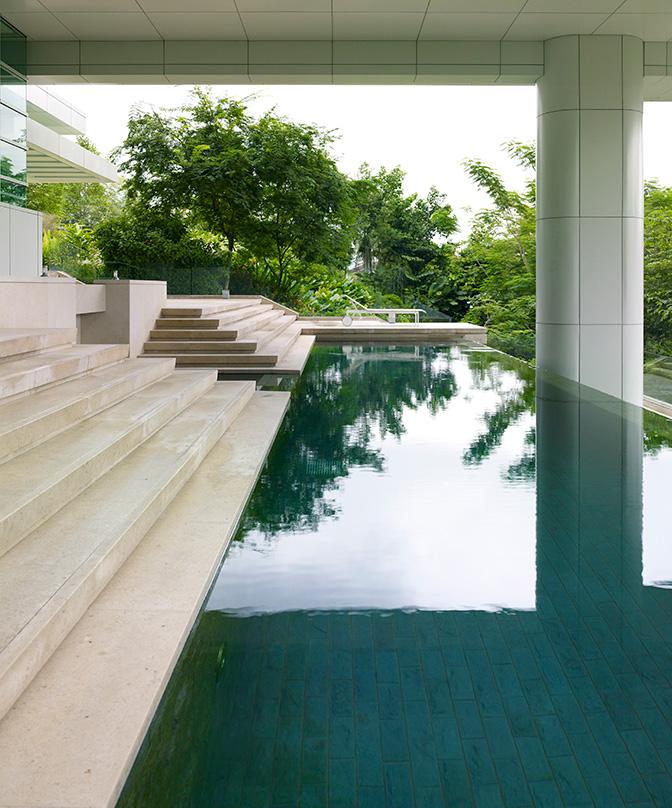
{"x": 428, "y": 131}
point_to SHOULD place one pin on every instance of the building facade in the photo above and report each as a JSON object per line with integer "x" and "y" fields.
{"x": 36, "y": 145}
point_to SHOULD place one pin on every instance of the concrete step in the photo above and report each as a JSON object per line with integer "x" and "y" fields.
{"x": 291, "y": 364}
{"x": 23, "y": 375}
{"x": 15, "y": 341}
{"x": 72, "y": 736}
{"x": 51, "y": 578}
{"x": 39, "y": 482}
{"x": 282, "y": 342}
{"x": 30, "y": 420}
{"x": 237, "y": 323}
{"x": 201, "y": 307}
{"x": 274, "y": 330}
{"x": 272, "y": 352}
{"x": 166, "y": 347}
{"x": 248, "y": 325}
{"x": 192, "y": 334}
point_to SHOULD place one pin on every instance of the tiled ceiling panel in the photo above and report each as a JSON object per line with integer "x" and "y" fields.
{"x": 286, "y": 25}
{"x": 362, "y": 25}
{"x": 348, "y": 20}
{"x": 179, "y": 6}
{"x": 108, "y": 25}
{"x": 545, "y": 26}
{"x": 197, "y": 25}
{"x": 646, "y": 26}
{"x": 466, "y": 26}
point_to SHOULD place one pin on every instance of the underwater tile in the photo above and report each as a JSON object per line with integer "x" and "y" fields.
{"x": 393, "y": 740}
{"x": 534, "y": 760}
{"x": 456, "y": 783}
{"x": 446, "y": 738}
{"x": 479, "y": 762}
{"x": 513, "y": 783}
{"x": 570, "y": 783}
{"x": 398, "y": 786}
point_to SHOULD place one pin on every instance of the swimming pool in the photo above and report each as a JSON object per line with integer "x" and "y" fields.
{"x": 450, "y": 588}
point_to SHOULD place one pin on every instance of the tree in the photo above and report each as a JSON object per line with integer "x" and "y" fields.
{"x": 195, "y": 159}
{"x": 302, "y": 210}
{"x": 497, "y": 263}
{"x": 401, "y": 239}
{"x": 269, "y": 185}
{"x": 658, "y": 268}
{"x": 152, "y": 244}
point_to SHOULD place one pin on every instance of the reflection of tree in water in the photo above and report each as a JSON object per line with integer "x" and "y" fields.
{"x": 487, "y": 369}
{"x": 346, "y": 399}
{"x": 657, "y": 433}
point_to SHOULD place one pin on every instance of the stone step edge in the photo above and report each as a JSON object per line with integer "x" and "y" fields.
{"x": 30, "y": 340}
{"x": 82, "y": 407}
{"x": 22, "y": 658}
{"x": 114, "y": 354}
{"x": 218, "y": 346}
{"x": 16, "y": 524}
{"x": 61, "y": 726}
{"x": 238, "y": 325}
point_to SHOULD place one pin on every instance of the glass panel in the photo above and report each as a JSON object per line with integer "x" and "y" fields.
{"x": 12, "y": 162}
{"x": 12, "y": 126}
{"x": 12, "y": 47}
{"x": 12, "y": 90}
{"x": 12, "y": 193}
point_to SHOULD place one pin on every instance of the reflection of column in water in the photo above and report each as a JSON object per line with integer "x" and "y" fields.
{"x": 589, "y": 502}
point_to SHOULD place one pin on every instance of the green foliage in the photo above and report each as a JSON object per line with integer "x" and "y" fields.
{"x": 658, "y": 268}
{"x": 268, "y": 185}
{"x": 496, "y": 264}
{"x": 401, "y": 240}
{"x": 141, "y": 237}
{"x": 72, "y": 211}
{"x": 302, "y": 212}
{"x": 72, "y": 248}
{"x": 194, "y": 159}
{"x": 331, "y": 293}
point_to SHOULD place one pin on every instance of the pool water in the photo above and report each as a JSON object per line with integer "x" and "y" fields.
{"x": 451, "y": 587}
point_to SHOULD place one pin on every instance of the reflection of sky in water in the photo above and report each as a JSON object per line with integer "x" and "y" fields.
{"x": 657, "y": 544}
{"x": 429, "y": 532}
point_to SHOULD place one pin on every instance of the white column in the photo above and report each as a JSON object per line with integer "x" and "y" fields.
{"x": 590, "y": 213}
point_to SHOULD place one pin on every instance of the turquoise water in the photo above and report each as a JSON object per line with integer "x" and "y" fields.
{"x": 450, "y": 588}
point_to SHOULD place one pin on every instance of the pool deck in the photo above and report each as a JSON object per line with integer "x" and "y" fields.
{"x": 373, "y": 329}
{"x": 72, "y": 736}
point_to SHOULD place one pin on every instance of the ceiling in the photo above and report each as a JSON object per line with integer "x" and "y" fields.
{"x": 336, "y": 19}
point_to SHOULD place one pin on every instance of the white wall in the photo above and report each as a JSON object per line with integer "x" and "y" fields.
{"x": 20, "y": 242}
{"x": 131, "y": 308}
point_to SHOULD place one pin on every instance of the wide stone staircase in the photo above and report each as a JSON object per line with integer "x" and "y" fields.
{"x": 94, "y": 448}
{"x": 243, "y": 337}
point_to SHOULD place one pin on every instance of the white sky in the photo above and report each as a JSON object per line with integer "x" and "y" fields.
{"x": 428, "y": 131}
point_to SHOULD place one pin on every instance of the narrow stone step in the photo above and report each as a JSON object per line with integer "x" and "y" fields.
{"x": 36, "y": 370}
{"x": 239, "y": 323}
{"x": 201, "y": 307}
{"x": 248, "y": 325}
{"x": 30, "y": 420}
{"x": 192, "y": 334}
{"x": 272, "y": 352}
{"x": 282, "y": 342}
{"x": 49, "y": 580}
{"x": 15, "y": 341}
{"x": 237, "y": 316}
{"x": 291, "y": 364}
{"x": 180, "y": 346}
{"x": 42, "y": 480}
{"x": 276, "y": 328}
{"x": 72, "y": 736}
